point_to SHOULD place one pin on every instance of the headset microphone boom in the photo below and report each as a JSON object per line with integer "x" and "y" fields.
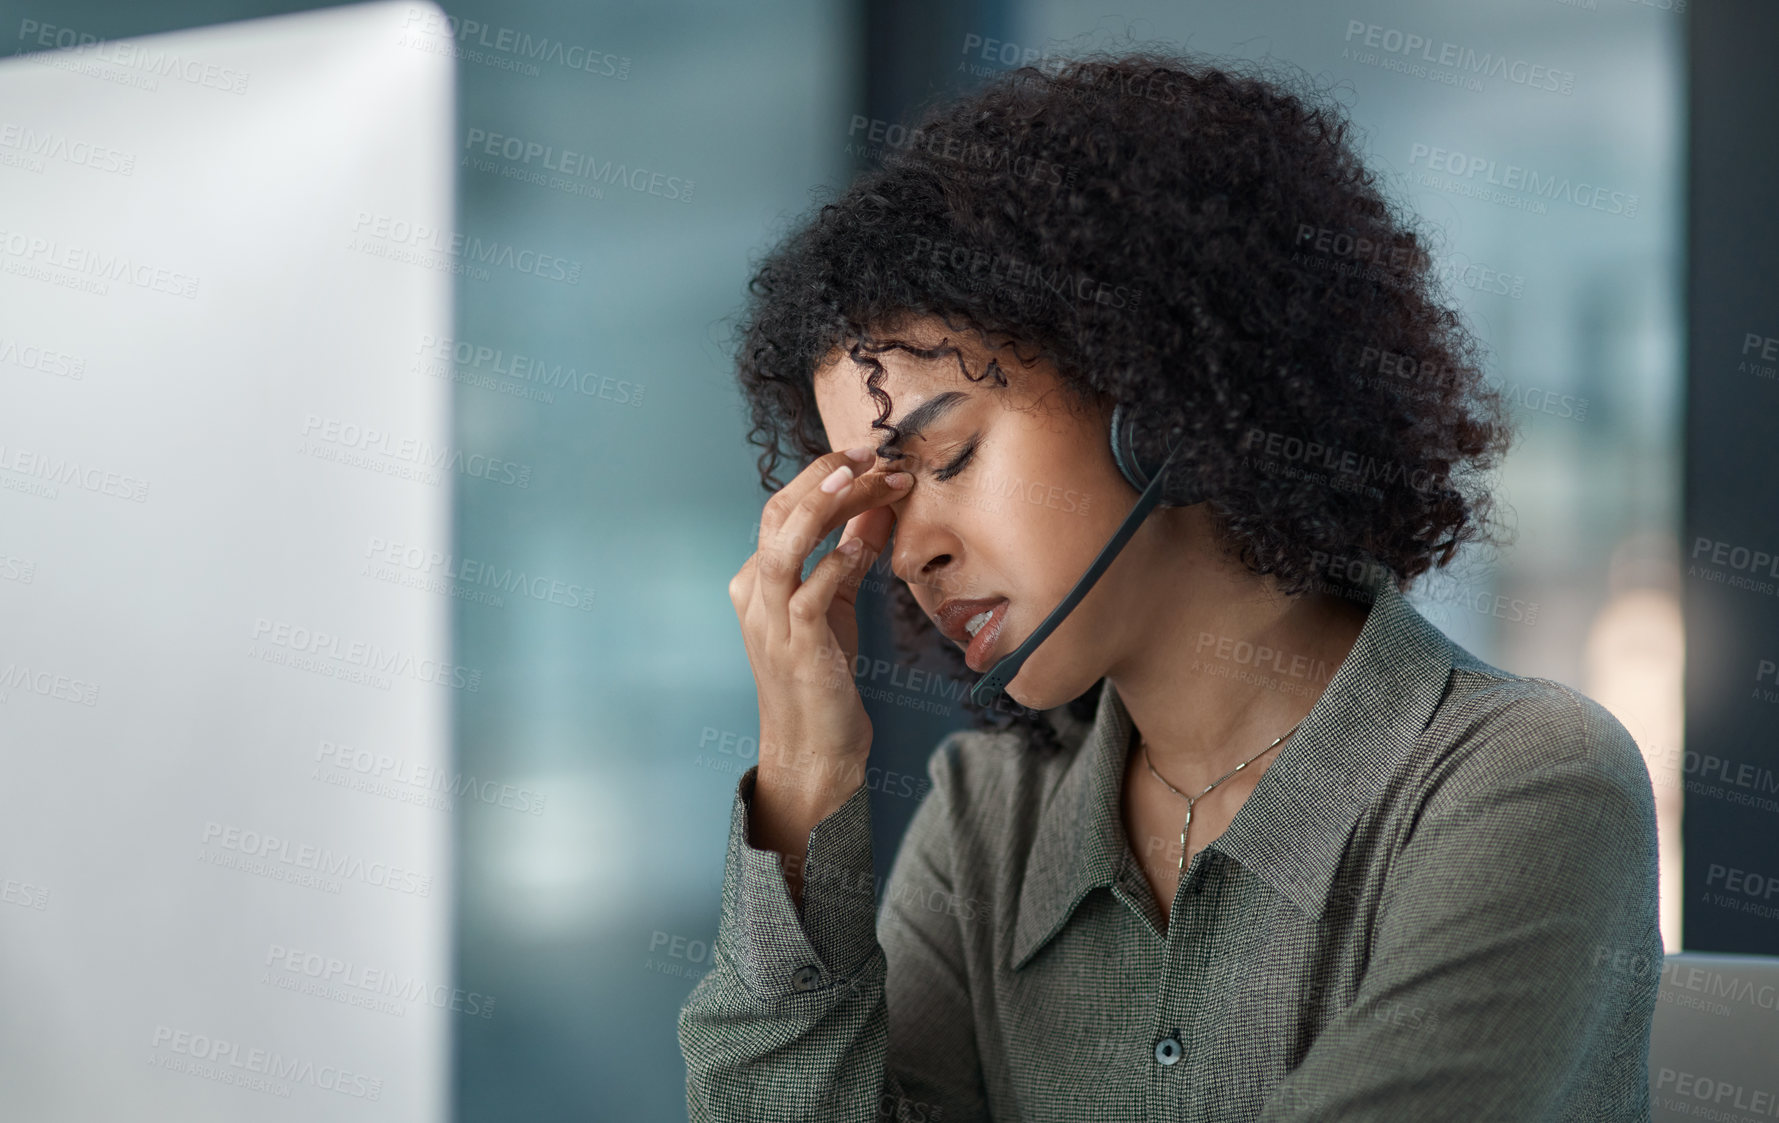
{"x": 1150, "y": 484}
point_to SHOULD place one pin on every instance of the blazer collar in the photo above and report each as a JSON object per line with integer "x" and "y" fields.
{"x": 1293, "y": 829}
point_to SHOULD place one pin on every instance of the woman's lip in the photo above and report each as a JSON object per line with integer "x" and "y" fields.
{"x": 976, "y": 654}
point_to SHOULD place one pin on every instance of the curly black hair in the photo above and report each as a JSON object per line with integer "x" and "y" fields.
{"x": 1175, "y": 233}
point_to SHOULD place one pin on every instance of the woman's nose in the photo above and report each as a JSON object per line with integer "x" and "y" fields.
{"x": 926, "y": 548}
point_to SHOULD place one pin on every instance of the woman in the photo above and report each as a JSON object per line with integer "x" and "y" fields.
{"x": 1257, "y": 841}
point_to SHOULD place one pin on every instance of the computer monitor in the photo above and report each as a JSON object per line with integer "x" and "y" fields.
{"x": 226, "y": 675}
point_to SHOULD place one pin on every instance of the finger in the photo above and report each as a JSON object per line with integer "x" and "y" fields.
{"x": 785, "y": 546}
{"x": 872, "y": 530}
{"x": 834, "y": 577}
{"x": 784, "y": 501}
{"x": 813, "y": 518}
{"x": 741, "y": 586}
{"x": 872, "y": 527}
{"x": 858, "y": 568}
{"x": 778, "y": 557}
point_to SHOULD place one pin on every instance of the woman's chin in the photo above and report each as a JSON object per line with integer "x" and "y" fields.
{"x": 1034, "y": 691}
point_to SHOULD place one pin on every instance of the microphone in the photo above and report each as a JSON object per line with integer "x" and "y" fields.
{"x": 989, "y": 687}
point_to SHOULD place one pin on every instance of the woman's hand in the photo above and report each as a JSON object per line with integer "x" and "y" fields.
{"x": 802, "y": 634}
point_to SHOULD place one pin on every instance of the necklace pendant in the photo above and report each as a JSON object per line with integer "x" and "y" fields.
{"x": 1183, "y": 829}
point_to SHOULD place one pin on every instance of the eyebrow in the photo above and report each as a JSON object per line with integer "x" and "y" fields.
{"x": 926, "y": 413}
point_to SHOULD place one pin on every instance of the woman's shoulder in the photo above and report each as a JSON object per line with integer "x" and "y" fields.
{"x": 1495, "y": 729}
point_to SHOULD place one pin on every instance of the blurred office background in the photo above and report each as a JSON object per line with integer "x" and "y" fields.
{"x": 632, "y": 718}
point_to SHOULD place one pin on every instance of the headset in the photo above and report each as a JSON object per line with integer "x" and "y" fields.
{"x": 1130, "y": 427}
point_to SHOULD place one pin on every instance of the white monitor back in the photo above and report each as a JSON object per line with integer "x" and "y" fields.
{"x": 225, "y": 683}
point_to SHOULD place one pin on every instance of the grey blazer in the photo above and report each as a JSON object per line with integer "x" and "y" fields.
{"x": 1415, "y": 916}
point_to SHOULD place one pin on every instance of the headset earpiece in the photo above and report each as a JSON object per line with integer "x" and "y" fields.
{"x": 1128, "y": 433}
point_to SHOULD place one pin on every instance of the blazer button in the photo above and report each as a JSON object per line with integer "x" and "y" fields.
{"x": 806, "y": 977}
{"x": 1168, "y": 1050}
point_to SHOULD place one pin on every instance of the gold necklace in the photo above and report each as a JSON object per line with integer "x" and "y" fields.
{"x": 1192, "y": 800}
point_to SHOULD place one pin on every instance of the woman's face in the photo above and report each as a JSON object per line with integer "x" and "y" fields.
{"x": 1034, "y": 499}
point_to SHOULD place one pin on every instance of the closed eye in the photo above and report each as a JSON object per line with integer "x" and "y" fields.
{"x": 959, "y": 464}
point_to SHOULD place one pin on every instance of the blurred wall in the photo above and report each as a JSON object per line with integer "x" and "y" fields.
{"x": 589, "y": 918}
{"x": 1732, "y": 483}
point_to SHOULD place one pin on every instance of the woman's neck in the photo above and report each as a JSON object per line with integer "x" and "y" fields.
{"x": 1226, "y": 673}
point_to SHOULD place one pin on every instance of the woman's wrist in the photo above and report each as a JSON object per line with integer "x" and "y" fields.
{"x": 803, "y": 789}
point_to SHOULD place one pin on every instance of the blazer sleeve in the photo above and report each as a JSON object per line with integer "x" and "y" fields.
{"x": 1489, "y": 993}
{"x": 835, "y": 1015}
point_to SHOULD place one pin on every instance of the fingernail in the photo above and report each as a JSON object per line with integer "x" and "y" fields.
{"x": 898, "y": 479}
{"x": 837, "y": 479}
{"x": 861, "y": 454}
{"x": 850, "y": 547}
